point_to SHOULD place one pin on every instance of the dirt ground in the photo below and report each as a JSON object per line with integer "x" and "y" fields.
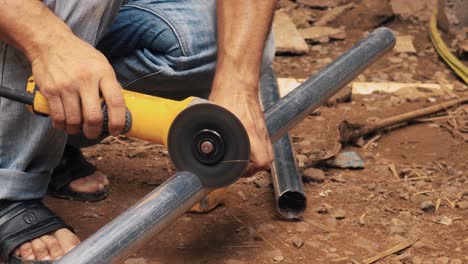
{"x": 351, "y": 216}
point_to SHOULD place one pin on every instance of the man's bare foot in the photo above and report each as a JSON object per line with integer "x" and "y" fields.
{"x": 95, "y": 182}
{"x": 48, "y": 247}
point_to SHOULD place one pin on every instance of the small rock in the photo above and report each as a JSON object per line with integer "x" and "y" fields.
{"x": 262, "y": 179}
{"x": 321, "y": 210}
{"x": 395, "y": 60}
{"x": 346, "y": 160}
{"x": 463, "y": 205}
{"x": 278, "y": 259}
{"x": 322, "y": 34}
{"x": 136, "y": 261}
{"x": 428, "y": 206}
{"x": 404, "y": 195}
{"x": 360, "y": 142}
{"x": 287, "y": 37}
{"x": 302, "y": 160}
{"x": 296, "y": 241}
{"x": 338, "y": 178}
{"x": 431, "y": 100}
{"x": 234, "y": 261}
{"x": 242, "y": 195}
{"x": 442, "y": 260}
{"x": 404, "y": 44}
{"x": 445, "y": 221}
{"x": 339, "y": 214}
{"x": 397, "y": 230}
{"x": 405, "y": 257}
{"x": 313, "y": 175}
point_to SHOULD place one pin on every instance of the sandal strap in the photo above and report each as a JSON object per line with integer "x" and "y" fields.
{"x": 73, "y": 166}
{"x": 22, "y": 221}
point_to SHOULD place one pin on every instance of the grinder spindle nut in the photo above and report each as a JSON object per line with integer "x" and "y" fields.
{"x": 211, "y": 142}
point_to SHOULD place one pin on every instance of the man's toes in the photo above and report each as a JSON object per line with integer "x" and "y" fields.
{"x": 102, "y": 178}
{"x": 67, "y": 239}
{"x": 92, "y": 183}
{"x": 40, "y": 249}
{"x": 26, "y": 251}
{"x": 55, "y": 249}
{"x": 84, "y": 185}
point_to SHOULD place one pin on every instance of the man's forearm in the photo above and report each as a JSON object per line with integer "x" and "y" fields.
{"x": 243, "y": 26}
{"x": 30, "y": 26}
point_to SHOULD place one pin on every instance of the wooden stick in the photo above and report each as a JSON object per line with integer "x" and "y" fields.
{"x": 350, "y": 131}
{"x": 394, "y": 171}
{"x": 399, "y": 247}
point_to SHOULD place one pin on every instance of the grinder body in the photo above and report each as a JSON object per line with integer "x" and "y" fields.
{"x": 201, "y": 137}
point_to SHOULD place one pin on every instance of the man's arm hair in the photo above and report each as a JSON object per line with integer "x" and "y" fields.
{"x": 243, "y": 26}
{"x": 30, "y": 26}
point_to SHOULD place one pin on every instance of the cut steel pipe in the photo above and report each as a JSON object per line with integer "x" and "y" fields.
{"x": 290, "y": 199}
{"x": 165, "y": 204}
{"x": 138, "y": 224}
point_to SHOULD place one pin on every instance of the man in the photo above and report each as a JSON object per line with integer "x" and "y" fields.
{"x": 172, "y": 45}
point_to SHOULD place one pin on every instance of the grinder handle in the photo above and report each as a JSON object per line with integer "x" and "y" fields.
{"x": 41, "y": 107}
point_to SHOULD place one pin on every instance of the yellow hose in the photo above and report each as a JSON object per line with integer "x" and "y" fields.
{"x": 456, "y": 65}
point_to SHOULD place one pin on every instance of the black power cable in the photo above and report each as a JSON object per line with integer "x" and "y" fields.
{"x": 16, "y": 95}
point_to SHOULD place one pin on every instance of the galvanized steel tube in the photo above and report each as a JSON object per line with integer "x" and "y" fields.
{"x": 315, "y": 91}
{"x": 290, "y": 199}
{"x": 138, "y": 224}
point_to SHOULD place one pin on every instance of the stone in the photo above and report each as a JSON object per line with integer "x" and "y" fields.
{"x": 262, "y": 179}
{"x": 420, "y": 9}
{"x": 302, "y": 160}
{"x": 287, "y": 38}
{"x": 313, "y": 175}
{"x": 395, "y": 60}
{"x": 315, "y": 35}
{"x": 445, "y": 221}
{"x": 322, "y": 210}
{"x": 338, "y": 178}
{"x": 296, "y": 241}
{"x": 278, "y": 259}
{"x": 427, "y": 206}
{"x": 456, "y": 261}
{"x": 346, "y": 160}
{"x": 339, "y": 214}
{"x": 404, "y": 44}
{"x": 136, "y": 261}
{"x": 442, "y": 260}
{"x": 234, "y": 261}
{"x": 463, "y": 205}
{"x": 242, "y": 195}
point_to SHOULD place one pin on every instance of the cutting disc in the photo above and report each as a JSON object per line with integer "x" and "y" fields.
{"x": 209, "y": 141}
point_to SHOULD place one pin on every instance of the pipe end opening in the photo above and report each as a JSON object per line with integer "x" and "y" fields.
{"x": 292, "y": 205}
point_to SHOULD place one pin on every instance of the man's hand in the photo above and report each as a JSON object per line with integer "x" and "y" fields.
{"x": 244, "y": 103}
{"x": 71, "y": 74}
{"x": 243, "y": 26}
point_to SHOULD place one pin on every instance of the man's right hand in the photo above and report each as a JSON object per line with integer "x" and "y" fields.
{"x": 72, "y": 75}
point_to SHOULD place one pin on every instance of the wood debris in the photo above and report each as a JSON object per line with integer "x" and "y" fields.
{"x": 332, "y": 14}
{"x": 403, "y": 90}
{"x": 399, "y": 247}
{"x": 350, "y": 131}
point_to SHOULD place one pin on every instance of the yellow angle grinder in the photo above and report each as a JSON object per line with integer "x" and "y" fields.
{"x": 201, "y": 137}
